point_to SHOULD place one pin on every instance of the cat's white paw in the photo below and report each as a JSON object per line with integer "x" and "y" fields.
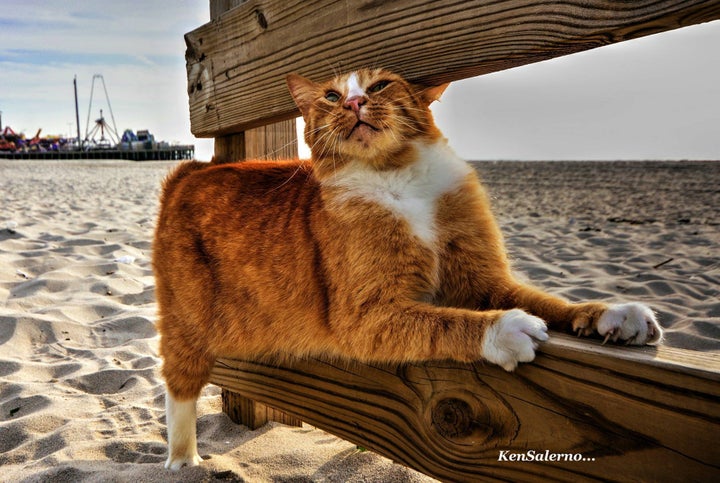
{"x": 182, "y": 438}
{"x": 513, "y": 339}
{"x": 175, "y": 463}
{"x": 632, "y": 323}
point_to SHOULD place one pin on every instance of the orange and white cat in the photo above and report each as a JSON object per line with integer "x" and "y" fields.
{"x": 381, "y": 248}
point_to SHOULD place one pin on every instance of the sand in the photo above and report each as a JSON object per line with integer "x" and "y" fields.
{"x": 80, "y": 394}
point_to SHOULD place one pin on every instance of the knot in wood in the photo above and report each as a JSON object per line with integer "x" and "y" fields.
{"x": 453, "y": 418}
{"x": 261, "y": 20}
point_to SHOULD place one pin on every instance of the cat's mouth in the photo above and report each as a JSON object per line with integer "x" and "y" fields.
{"x": 362, "y": 127}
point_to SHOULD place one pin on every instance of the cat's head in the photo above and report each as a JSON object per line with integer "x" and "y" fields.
{"x": 369, "y": 116}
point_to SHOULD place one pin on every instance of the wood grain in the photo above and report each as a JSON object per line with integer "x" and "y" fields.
{"x": 219, "y": 7}
{"x": 229, "y": 148}
{"x": 237, "y": 63}
{"x": 252, "y": 414}
{"x": 274, "y": 141}
{"x": 642, "y": 414}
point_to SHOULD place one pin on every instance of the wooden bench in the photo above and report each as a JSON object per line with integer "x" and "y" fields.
{"x": 636, "y": 414}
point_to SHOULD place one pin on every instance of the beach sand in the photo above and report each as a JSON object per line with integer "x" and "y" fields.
{"x": 80, "y": 394}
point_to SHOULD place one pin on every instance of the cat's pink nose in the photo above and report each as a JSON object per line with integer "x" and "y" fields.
{"x": 354, "y": 103}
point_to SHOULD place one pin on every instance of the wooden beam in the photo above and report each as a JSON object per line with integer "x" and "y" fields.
{"x": 634, "y": 414}
{"x": 237, "y": 63}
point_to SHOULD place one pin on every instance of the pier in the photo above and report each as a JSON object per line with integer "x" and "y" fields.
{"x": 172, "y": 153}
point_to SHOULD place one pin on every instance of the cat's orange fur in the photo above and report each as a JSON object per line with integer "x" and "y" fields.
{"x": 383, "y": 248}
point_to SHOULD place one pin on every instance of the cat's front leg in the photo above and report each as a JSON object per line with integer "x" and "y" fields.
{"x": 417, "y": 331}
{"x": 630, "y": 323}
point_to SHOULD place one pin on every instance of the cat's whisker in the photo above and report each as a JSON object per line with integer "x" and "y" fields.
{"x": 319, "y": 128}
{"x": 322, "y": 136}
{"x": 297, "y": 170}
{"x": 332, "y": 67}
{"x": 321, "y": 141}
{"x": 272, "y": 154}
{"x": 328, "y": 148}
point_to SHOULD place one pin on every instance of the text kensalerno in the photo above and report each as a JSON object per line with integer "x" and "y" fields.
{"x": 535, "y": 455}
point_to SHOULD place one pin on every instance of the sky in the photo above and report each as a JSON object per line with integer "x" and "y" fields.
{"x": 657, "y": 97}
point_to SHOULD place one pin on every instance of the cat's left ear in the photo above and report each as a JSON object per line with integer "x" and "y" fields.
{"x": 302, "y": 91}
{"x": 432, "y": 93}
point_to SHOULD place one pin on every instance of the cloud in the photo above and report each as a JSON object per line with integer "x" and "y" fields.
{"x": 150, "y": 27}
{"x": 137, "y": 46}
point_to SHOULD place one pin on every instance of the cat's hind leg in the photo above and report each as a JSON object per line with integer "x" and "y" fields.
{"x": 181, "y": 419}
{"x": 186, "y": 371}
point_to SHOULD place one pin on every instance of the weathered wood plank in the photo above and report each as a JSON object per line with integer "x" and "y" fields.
{"x": 237, "y": 63}
{"x": 636, "y": 414}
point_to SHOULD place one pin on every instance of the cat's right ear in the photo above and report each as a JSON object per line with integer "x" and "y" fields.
{"x": 303, "y": 92}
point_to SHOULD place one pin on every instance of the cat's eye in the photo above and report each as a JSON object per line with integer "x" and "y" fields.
{"x": 378, "y": 86}
{"x": 332, "y": 96}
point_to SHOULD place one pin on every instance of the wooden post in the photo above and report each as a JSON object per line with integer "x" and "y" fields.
{"x": 276, "y": 141}
{"x": 273, "y": 141}
{"x": 230, "y": 148}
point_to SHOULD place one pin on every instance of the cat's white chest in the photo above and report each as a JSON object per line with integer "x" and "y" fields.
{"x": 411, "y": 193}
